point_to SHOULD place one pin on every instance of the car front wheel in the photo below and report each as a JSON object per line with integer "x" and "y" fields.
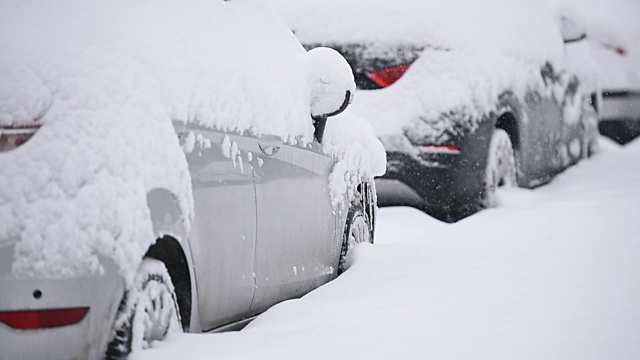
{"x": 357, "y": 230}
{"x": 501, "y": 167}
{"x": 147, "y": 313}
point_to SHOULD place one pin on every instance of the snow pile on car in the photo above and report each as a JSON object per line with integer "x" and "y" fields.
{"x": 330, "y": 78}
{"x": 473, "y": 53}
{"x": 614, "y": 32}
{"x": 352, "y": 142}
{"x": 105, "y": 80}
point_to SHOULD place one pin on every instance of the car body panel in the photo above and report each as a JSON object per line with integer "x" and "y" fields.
{"x": 223, "y": 233}
{"x": 288, "y": 264}
{"x": 620, "y": 105}
{"x": 83, "y": 340}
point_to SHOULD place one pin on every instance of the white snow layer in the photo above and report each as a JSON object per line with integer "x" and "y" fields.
{"x": 105, "y": 80}
{"x": 474, "y": 52}
{"x": 330, "y": 78}
{"x": 551, "y": 273}
{"x": 351, "y": 141}
{"x": 610, "y": 24}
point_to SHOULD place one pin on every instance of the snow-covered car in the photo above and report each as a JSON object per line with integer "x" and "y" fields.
{"x": 617, "y": 56}
{"x": 614, "y": 35}
{"x": 620, "y": 110}
{"x": 466, "y": 96}
{"x": 168, "y": 166}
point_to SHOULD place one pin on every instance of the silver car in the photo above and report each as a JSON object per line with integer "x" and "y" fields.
{"x": 264, "y": 230}
{"x": 258, "y": 237}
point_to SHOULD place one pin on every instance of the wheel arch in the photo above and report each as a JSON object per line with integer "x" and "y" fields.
{"x": 508, "y": 122}
{"x": 172, "y": 248}
{"x": 169, "y": 251}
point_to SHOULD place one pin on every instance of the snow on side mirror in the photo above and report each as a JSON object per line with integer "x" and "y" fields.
{"x": 331, "y": 83}
{"x": 571, "y": 30}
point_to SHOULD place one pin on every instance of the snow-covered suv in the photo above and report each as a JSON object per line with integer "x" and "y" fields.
{"x": 167, "y": 165}
{"x": 465, "y": 95}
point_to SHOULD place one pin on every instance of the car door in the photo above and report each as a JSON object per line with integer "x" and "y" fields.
{"x": 298, "y": 245}
{"x": 543, "y": 133}
{"x": 223, "y": 233}
{"x": 578, "y": 96}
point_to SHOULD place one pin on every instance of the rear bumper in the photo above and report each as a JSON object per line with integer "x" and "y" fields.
{"x": 393, "y": 192}
{"x": 84, "y": 340}
{"x": 620, "y": 115}
{"x": 448, "y": 190}
{"x": 620, "y": 106}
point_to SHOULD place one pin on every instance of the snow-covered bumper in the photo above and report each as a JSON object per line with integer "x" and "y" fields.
{"x": 32, "y": 310}
{"x": 620, "y": 105}
{"x": 446, "y": 184}
{"x": 620, "y": 115}
{"x": 447, "y": 192}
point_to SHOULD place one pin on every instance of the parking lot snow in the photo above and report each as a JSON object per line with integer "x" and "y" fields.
{"x": 550, "y": 273}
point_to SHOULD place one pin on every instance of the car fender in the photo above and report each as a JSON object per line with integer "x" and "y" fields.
{"x": 167, "y": 220}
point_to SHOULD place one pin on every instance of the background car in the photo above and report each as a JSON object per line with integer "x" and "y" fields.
{"x": 157, "y": 177}
{"x": 614, "y": 37}
{"x": 620, "y": 111}
{"x": 465, "y": 96}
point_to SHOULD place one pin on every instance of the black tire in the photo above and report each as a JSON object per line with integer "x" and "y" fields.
{"x": 358, "y": 229}
{"x": 501, "y": 167}
{"x": 147, "y": 312}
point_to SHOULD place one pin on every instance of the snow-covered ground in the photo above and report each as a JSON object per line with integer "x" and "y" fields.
{"x": 552, "y": 273}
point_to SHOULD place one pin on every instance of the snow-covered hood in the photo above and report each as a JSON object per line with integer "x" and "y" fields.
{"x": 105, "y": 80}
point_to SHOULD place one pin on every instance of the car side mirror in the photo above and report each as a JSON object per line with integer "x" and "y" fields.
{"x": 571, "y": 30}
{"x": 319, "y": 122}
{"x": 332, "y": 86}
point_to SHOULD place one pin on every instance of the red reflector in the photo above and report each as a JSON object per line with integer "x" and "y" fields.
{"x": 386, "y": 77}
{"x": 11, "y": 138}
{"x": 440, "y": 149}
{"x": 41, "y": 319}
{"x": 618, "y": 49}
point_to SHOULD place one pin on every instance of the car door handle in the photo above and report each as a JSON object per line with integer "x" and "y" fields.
{"x": 270, "y": 144}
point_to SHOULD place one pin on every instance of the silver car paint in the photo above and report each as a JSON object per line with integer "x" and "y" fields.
{"x": 251, "y": 206}
{"x": 223, "y": 234}
{"x": 264, "y": 231}
{"x": 615, "y": 108}
{"x": 297, "y": 246}
{"x": 84, "y": 340}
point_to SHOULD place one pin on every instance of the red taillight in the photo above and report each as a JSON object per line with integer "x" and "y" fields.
{"x": 386, "y": 77}
{"x": 42, "y": 319}
{"x": 618, "y": 49}
{"x": 11, "y": 138}
{"x": 440, "y": 149}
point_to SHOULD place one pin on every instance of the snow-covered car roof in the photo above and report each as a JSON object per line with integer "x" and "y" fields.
{"x": 105, "y": 80}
